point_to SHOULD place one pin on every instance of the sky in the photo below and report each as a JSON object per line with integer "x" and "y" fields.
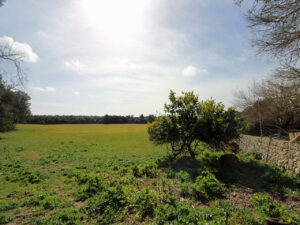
{"x": 96, "y": 57}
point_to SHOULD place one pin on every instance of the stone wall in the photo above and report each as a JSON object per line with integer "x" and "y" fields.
{"x": 283, "y": 153}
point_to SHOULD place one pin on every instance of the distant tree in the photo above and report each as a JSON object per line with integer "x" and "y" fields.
{"x": 272, "y": 102}
{"x": 188, "y": 122}
{"x": 142, "y": 119}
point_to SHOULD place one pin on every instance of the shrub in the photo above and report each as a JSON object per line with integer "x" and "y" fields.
{"x": 7, "y": 205}
{"x": 188, "y": 122}
{"x": 267, "y": 207}
{"x": 207, "y": 187}
{"x": 5, "y": 218}
{"x": 63, "y": 217}
{"x": 145, "y": 202}
{"x": 92, "y": 186}
{"x": 183, "y": 176}
{"x": 175, "y": 212}
{"x": 148, "y": 169}
{"x": 110, "y": 204}
{"x": 44, "y": 200}
{"x": 16, "y": 172}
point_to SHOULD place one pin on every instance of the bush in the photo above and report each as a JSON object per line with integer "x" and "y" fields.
{"x": 183, "y": 176}
{"x": 63, "y": 217}
{"x": 188, "y": 122}
{"x": 207, "y": 187}
{"x": 44, "y": 200}
{"x": 145, "y": 202}
{"x": 148, "y": 169}
{"x": 92, "y": 186}
{"x": 16, "y": 172}
{"x": 267, "y": 207}
{"x": 7, "y": 205}
{"x": 110, "y": 204}
{"x": 5, "y": 218}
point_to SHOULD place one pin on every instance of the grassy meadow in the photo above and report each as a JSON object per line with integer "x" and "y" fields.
{"x": 112, "y": 174}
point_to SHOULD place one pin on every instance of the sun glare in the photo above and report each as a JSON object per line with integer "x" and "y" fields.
{"x": 116, "y": 19}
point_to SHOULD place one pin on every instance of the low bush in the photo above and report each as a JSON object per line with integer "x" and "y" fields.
{"x": 146, "y": 203}
{"x": 16, "y": 172}
{"x": 148, "y": 169}
{"x": 265, "y": 206}
{"x": 110, "y": 205}
{"x": 93, "y": 185}
{"x": 44, "y": 200}
{"x": 7, "y": 205}
{"x": 63, "y": 217}
{"x": 5, "y": 218}
{"x": 207, "y": 187}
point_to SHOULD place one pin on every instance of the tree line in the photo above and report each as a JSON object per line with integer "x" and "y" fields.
{"x": 106, "y": 119}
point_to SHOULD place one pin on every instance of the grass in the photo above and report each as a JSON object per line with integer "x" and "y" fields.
{"x": 106, "y": 174}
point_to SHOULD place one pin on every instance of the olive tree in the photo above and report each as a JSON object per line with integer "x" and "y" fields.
{"x": 188, "y": 121}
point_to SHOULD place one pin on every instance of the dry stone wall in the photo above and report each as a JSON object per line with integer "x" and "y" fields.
{"x": 283, "y": 153}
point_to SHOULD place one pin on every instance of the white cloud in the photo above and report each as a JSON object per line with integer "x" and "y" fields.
{"x": 73, "y": 65}
{"x": 46, "y": 89}
{"x": 191, "y": 71}
{"x": 19, "y": 48}
{"x": 76, "y": 92}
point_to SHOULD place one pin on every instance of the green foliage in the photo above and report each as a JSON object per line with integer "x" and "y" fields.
{"x": 16, "y": 172}
{"x": 146, "y": 203}
{"x": 267, "y": 207}
{"x": 7, "y": 205}
{"x": 183, "y": 176}
{"x": 132, "y": 188}
{"x": 14, "y": 106}
{"x": 5, "y": 218}
{"x": 44, "y": 200}
{"x": 93, "y": 185}
{"x": 265, "y": 176}
{"x": 265, "y": 204}
{"x": 148, "y": 169}
{"x": 110, "y": 204}
{"x": 188, "y": 121}
{"x": 63, "y": 217}
{"x": 207, "y": 187}
{"x": 175, "y": 212}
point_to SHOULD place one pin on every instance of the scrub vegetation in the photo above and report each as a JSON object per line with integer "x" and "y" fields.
{"x": 112, "y": 174}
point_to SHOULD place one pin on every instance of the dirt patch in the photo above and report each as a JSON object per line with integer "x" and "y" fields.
{"x": 239, "y": 196}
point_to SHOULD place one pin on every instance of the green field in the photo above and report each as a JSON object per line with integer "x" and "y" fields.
{"x": 101, "y": 141}
{"x": 112, "y": 174}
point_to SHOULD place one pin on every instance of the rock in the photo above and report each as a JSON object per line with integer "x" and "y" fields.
{"x": 229, "y": 160}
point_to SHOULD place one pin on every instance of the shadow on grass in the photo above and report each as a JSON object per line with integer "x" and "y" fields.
{"x": 261, "y": 177}
{"x": 251, "y": 173}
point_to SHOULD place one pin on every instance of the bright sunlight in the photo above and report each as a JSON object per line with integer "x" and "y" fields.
{"x": 115, "y": 19}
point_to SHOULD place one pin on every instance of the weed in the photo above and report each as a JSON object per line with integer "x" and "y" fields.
{"x": 7, "y": 205}
{"x": 63, "y": 217}
{"x": 145, "y": 202}
{"x": 5, "y": 218}
{"x": 207, "y": 187}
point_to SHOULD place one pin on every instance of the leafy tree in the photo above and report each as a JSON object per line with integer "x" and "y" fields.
{"x": 188, "y": 121}
{"x": 14, "y": 107}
